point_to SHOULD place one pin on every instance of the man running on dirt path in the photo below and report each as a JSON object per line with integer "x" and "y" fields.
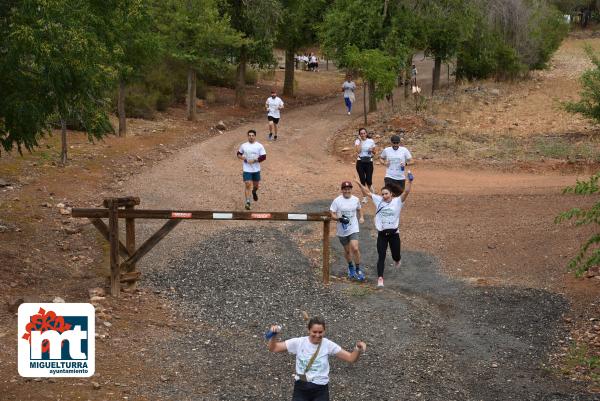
{"x": 252, "y": 153}
{"x": 395, "y": 158}
{"x": 344, "y": 209}
{"x": 273, "y": 105}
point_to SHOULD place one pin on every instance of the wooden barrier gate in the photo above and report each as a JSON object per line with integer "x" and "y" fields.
{"x": 124, "y": 208}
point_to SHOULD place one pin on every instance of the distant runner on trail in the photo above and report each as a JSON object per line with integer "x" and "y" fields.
{"x": 273, "y": 105}
{"x": 252, "y": 153}
{"x": 387, "y": 223}
{"x": 344, "y": 209}
{"x": 413, "y": 75}
{"x": 348, "y": 87}
{"x": 312, "y": 359}
{"x": 365, "y": 151}
{"x": 396, "y": 158}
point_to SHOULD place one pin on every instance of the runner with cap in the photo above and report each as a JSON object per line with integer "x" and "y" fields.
{"x": 387, "y": 223}
{"x": 273, "y": 105}
{"x": 252, "y": 153}
{"x": 344, "y": 210}
{"x": 395, "y": 158}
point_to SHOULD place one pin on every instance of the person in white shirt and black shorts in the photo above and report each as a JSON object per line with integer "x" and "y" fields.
{"x": 365, "y": 151}
{"x": 273, "y": 105}
{"x": 395, "y": 158}
{"x": 312, "y": 359}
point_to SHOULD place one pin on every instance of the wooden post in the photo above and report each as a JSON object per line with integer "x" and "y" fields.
{"x": 130, "y": 240}
{"x": 113, "y": 234}
{"x": 326, "y": 252}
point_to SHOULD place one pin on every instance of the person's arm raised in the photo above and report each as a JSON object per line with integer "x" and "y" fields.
{"x": 406, "y": 191}
{"x": 365, "y": 191}
{"x": 354, "y": 355}
{"x": 273, "y": 344}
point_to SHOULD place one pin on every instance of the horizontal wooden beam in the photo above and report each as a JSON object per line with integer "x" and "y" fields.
{"x": 200, "y": 215}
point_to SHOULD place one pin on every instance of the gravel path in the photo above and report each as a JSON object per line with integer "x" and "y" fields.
{"x": 429, "y": 337}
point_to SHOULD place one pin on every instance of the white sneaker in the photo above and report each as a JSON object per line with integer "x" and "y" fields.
{"x": 365, "y": 200}
{"x": 380, "y": 282}
{"x": 348, "y": 113}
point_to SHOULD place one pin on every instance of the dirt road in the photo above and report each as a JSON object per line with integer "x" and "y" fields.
{"x": 472, "y": 337}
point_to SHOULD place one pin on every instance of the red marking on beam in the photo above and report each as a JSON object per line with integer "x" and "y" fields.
{"x": 181, "y": 215}
{"x": 261, "y": 215}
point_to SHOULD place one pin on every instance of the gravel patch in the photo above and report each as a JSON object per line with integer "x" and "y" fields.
{"x": 429, "y": 337}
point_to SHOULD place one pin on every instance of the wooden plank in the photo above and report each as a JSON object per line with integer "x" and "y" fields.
{"x": 326, "y": 252}
{"x": 103, "y": 228}
{"x": 125, "y": 201}
{"x": 150, "y": 243}
{"x": 113, "y": 234}
{"x": 197, "y": 214}
{"x": 130, "y": 236}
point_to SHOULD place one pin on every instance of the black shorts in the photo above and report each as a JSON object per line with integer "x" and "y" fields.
{"x": 275, "y": 120}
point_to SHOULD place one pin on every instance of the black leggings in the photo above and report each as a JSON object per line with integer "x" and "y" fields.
{"x": 384, "y": 238}
{"x": 306, "y": 391}
{"x": 365, "y": 172}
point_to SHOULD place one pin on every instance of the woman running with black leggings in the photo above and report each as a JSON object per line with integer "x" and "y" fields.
{"x": 387, "y": 222}
{"x": 365, "y": 150}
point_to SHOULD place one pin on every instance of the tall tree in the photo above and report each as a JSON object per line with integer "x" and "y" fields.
{"x": 449, "y": 23}
{"x": 136, "y": 44}
{"x": 297, "y": 28}
{"x": 197, "y": 36}
{"x": 256, "y": 21}
{"x": 54, "y": 65}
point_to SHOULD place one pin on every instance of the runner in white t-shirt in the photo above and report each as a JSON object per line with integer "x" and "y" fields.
{"x": 365, "y": 152}
{"x": 273, "y": 105}
{"x": 312, "y": 378}
{"x": 387, "y": 223}
{"x": 344, "y": 209}
{"x": 396, "y": 158}
{"x": 252, "y": 153}
{"x": 348, "y": 88}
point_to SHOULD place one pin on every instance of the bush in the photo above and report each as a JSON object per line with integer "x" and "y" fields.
{"x": 589, "y": 105}
{"x": 140, "y": 103}
{"x": 486, "y": 55}
{"x": 226, "y": 77}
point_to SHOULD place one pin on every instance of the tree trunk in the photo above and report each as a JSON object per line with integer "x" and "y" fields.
{"x": 63, "y": 140}
{"x": 406, "y": 86}
{"x": 288, "y": 82}
{"x": 365, "y": 100}
{"x": 121, "y": 109}
{"x": 437, "y": 69}
{"x": 191, "y": 95}
{"x": 372, "y": 99}
{"x": 240, "y": 83}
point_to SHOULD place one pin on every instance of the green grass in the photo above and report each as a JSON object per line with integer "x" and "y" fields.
{"x": 358, "y": 291}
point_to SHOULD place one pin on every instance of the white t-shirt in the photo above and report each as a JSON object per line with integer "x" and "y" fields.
{"x": 251, "y": 151}
{"x": 349, "y": 88}
{"x": 398, "y": 159}
{"x": 274, "y": 105}
{"x": 387, "y": 215}
{"x": 366, "y": 147}
{"x": 346, "y": 207}
{"x": 304, "y": 350}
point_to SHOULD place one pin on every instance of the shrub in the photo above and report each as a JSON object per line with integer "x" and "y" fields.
{"x": 141, "y": 104}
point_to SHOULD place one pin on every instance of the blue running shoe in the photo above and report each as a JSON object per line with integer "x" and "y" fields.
{"x": 359, "y": 274}
{"x": 351, "y": 272}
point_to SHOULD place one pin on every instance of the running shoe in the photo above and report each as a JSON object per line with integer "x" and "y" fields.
{"x": 380, "y": 282}
{"x": 270, "y": 136}
{"x": 365, "y": 199}
{"x": 348, "y": 113}
{"x": 359, "y": 274}
{"x": 351, "y": 272}
{"x": 275, "y": 138}
{"x": 254, "y": 195}
{"x": 397, "y": 264}
{"x": 247, "y": 206}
